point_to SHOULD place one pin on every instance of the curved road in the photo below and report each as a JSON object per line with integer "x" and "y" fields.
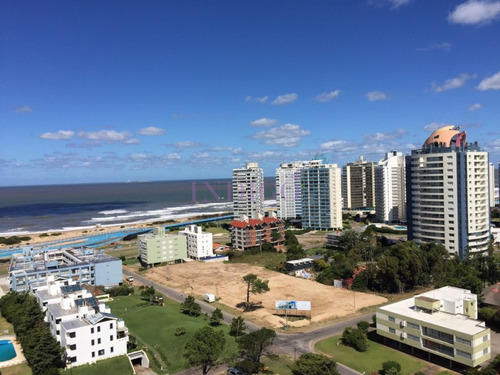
{"x": 290, "y": 344}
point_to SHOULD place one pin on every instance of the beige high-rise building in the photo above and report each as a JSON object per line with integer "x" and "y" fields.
{"x": 448, "y": 193}
{"x": 248, "y": 191}
{"x": 358, "y": 184}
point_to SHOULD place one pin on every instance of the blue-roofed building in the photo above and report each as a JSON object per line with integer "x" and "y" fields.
{"x": 81, "y": 266}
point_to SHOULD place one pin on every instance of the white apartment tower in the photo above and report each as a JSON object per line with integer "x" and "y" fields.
{"x": 491, "y": 176}
{"x": 321, "y": 196}
{"x": 448, "y": 193}
{"x": 358, "y": 184}
{"x": 288, "y": 190}
{"x": 390, "y": 189}
{"x": 248, "y": 191}
{"x": 199, "y": 243}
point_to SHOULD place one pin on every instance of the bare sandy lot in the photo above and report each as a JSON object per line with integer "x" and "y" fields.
{"x": 225, "y": 281}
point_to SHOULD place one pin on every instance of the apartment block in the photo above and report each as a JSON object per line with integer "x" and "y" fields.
{"x": 442, "y": 322}
{"x": 84, "y": 326}
{"x": 390, "y": 189}
{"x": 358, "y": 184}
{"x": 247, "y": 233}
{"x": 448, "y": 193}
{"x": 160, "y": 247}
{"x": 199, "y": 243}
{"x": 248, "y": 191}
{"x": 79, "y": 265}
{"x": 288, "y": 189}
{"x": 491, "y": 185}
{"x": 321, "y": 196}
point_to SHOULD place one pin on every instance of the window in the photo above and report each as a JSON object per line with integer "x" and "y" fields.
{"x": 98, "y": 341}
{"x": 485, "y": 351}
{"x": 392, "y": 330}
{"x": 100, "y": 352}
{"x": 112, "y": 349}
{"x": 443, "y": 336}
{"x": 92, "y": 342}
{"x": 464, "y": 354}
{"x": 111, "y": 338}
{"x": 72, "y": 347}
{"x": 98, "y": 328}
{"x": 72, "y": 335}
{"x": 93, "y": 354}
{"x": 392, "y": 319}
{"x": 413, "y": 337}
{"x": 413, "y": 325}
{"x": 485, "y": 338}
{"x": 92, "y": 330}
{"x": 110, "y": 325}
{"x": 463, "y": 341}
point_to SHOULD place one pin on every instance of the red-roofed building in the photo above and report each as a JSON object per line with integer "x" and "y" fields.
{"x": 254, "y": 232}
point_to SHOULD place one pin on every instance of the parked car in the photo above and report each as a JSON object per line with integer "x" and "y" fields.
{"x": 209, "y": 297}
{"x": 234, "y": 371}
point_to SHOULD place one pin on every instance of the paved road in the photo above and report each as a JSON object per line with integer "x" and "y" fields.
{"x": 289, "y": 344}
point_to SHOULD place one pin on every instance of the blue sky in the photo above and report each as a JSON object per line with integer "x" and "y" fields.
{"x": 98, "y": 91}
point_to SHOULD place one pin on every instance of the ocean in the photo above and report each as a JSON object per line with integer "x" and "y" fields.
{"x": 30, "y": 209}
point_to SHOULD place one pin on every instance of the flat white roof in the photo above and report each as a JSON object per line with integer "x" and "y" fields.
{"x": 455, "y": 322}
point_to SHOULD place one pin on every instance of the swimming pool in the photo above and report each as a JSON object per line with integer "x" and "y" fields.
{"x": 7, "y": 350}
{"x": 399, "y": 227}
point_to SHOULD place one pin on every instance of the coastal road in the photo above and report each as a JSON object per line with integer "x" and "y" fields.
{"x": 288, "y": 344}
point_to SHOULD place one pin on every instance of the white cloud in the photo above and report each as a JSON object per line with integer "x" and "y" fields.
{"x": 288, "y": 135}
{"x": 475, "y": 107}
{"x": 490, "y": 83}
{"x": 452, "y": 83}
{"x": 434, "y": 126}
{"x": 24, "y": 109}
{"x": 264, "y": 122}
{"x": 337, "y": 145}
{"x": 151, "y": 130}
{"x": 61, "y": 134}
{"x": 475, "y": 12}
{"x": 373, "y": 96}
{"x": 109, "y": 136}
{"x": 257, "y": 99}
{"x": 378, "y": 137}
{"x": 327, "y": 96}
{"x": 395, "y": 4}
{"x": 285, "y": 99}
{"x": 186, "y": 144}
{"x": 445, "y": 46}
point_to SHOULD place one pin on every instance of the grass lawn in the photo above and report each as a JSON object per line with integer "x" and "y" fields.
{"x": 127, "y": 252}
{"x": 282, "y": 366}
{"x": 216, "y": 230}
{"x": 371, "y": 360}
{"x": 4, "y": 267}
{"x": 113, "y": 366}
{"x": 154, "y": 328}
{"x": 5, "y": 325}
{"x": 22, "y": 369}
{"x": 267, "y": 260}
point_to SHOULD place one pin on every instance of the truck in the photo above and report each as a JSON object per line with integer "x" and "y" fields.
{"x": 209, "y": 297}
{"x": 130, "y": 279}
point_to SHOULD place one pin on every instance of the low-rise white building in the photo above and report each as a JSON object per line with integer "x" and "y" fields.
{"x": 199, "y": 243}
{"x": 82, "y": 325}
{"x": 442, "y": 322}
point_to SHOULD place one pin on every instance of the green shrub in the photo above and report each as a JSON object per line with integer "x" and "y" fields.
{"x": 390, "y": 368}
{"x": 180, "y": 331}
{"x": 355, "y": 338}
{"x": 363, "y": 325}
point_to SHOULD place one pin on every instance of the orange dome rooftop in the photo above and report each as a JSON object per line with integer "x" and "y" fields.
{"x": 445, "y": 136}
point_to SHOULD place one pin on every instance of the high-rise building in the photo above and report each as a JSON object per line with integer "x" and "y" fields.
{"x": 321, "y": 196}
{"x": 390, "y": 189}
{"x": 288, "y": 190}
{"x": 248, "y": 191}
{"x": 358, "y": 184}
{"x": 491, "y": 186}
{"x": 447, "y": 193}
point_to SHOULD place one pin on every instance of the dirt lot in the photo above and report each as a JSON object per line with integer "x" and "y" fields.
{"x": 225, "y": 281}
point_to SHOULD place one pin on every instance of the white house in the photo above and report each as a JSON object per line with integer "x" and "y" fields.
{"x": 199, "y": 243}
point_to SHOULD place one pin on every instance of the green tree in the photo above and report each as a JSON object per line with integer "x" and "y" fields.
{"x": 314, "y": 364}
{"x": 205, "y": 348}
{"x": 216, "y": 317}
{"x": 348, "y": 240}
{"x": 255, "y": 286}
{"x": 255, "y": 344}
{"x": 390, "y": 368}
{"x": 238, "y": 326}
{"x": 148, "y": 292}
{"x": 363, "y": 325}
{"x": 190, "y": 307}
{"x": 355, "y": 338}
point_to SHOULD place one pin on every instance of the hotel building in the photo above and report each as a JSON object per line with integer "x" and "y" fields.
{"x": 358, "y": 184}
{"x": 160, "y": 247}
{"x": 321, "y": 196}
{"x": 248, "y": 191}
{"x": 442, "y": 322}
{"x": 390, "y": 189}
{"x": 448, "y": 193}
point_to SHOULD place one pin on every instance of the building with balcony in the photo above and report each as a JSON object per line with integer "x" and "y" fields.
{"x": 358, "y": 185}
{"x": 321, "y": 196}
{"x": 160, "y": 247}
{"x": 78, "y": 265}
{"x": 248, "y": 191}
{"x": 442, "y": 322}
{"x": 84, "y": 326}
{"x": 390, "y": 189}
{"x": 448, "y": 193}
{"x": 247, "y": 233}
{"x": 199, "y": 244}
{"x": 491, "y": 180}
{"x": 288, "y": 189}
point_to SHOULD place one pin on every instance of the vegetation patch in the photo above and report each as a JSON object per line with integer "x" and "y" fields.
{"x": 14, "y": 240}
{"x": 117, "y": 365}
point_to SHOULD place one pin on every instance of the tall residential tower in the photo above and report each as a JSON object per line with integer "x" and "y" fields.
{"x": 358, "y": 184}
{"x": 447, "y": 193}
{"x": 248, "y": 191}
{"x": 288, "y": 189}
{"x": 390, "y": 189}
